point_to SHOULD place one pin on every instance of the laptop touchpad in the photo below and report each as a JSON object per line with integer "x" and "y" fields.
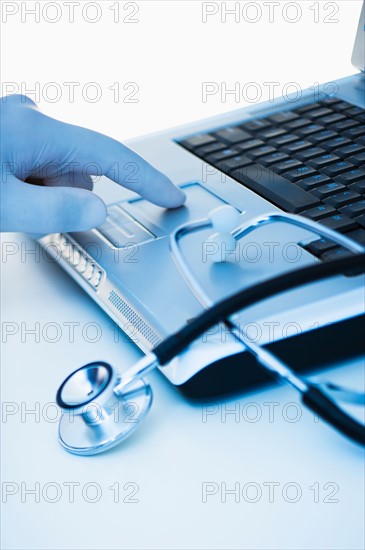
{"x": 198, "y": 204}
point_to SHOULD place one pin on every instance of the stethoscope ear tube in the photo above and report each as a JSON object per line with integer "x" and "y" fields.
{"x": 178, "y": 342}
{"x": 316, "y": 400}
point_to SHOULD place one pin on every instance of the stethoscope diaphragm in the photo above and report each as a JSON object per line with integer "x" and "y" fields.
{"x": 96, "y": 416}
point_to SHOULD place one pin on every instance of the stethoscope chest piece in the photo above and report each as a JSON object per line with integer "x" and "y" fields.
{"x": 96, "y": 417}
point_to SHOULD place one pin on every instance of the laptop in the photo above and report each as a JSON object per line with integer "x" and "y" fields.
{"x": 302, "y": 155}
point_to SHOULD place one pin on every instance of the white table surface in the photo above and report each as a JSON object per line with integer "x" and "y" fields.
{"x": 175, "y": 453}
{"x": 176, "y": 459}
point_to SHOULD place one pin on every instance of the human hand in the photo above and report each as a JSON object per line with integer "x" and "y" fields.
{"x": 38, "y": 149}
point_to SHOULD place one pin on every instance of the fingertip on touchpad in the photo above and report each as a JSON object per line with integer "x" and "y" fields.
{"x": 199, "y": 202}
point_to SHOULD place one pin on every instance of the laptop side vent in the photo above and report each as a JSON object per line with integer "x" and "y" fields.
{"x": 143, "y": 329}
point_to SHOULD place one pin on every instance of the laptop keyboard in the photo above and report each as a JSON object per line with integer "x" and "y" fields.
{"x": 308, "y": 161}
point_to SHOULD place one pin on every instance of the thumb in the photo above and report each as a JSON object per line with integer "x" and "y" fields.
{"x": 37, "y": 209}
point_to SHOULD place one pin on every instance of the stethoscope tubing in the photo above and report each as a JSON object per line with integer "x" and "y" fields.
{"x": 224, "y": 220}
{"x": 311, "y": 395}
{"x": 220, "y": 312}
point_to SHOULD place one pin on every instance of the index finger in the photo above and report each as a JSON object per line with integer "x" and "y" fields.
{"x": 108, "y": 157}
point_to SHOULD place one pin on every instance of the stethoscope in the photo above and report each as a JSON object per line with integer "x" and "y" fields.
{"x": 102, "y": 407}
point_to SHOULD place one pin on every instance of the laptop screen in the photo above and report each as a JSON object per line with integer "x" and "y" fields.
{"x": 358, "y": 56}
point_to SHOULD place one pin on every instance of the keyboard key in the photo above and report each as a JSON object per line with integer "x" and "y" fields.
{"x": 233, "y": 163}
{"x": 309, "y": 130}
{"x": 310, "y": 153}
{"x": 286, "y": 166}
{"x": 330, "y": 101}
{"x": 331, "y": 119}
{"x": 206, "y": 150}
{"x": 355, "y": 132}
{"x": 275, "y": 188}
{"x": 285, "y": 116}
{"x": 283, "y": 140}
{"x": 299, "y": 173}
{"x": 309, "y": 107}
{"x": 319, "y": 247}
{"x": 222, "y": 155}
{"x": 198, "y": 141}
{"x": 338, "y": 168}
{"x": 322, "y": 111}
{"x": 339, "y": 222}
{"x": 318, "y": 212}
{"x": 261, "y": 151}
{"x": 344, "y": 125}
{"x": 357, "y": 174}
{"x": 233, "y": 135}
{"x": 323, "y": 136}
{"x": 251, "y": 144}
{"x": 271, "y": 133}
{"x": 361, "y": 140}
{"x": 296, "y": 146}
{"x": 341, "y": 199}
{"x": 328, "y": 189}
{"x": 298, "y": 123}
{"x": 360, "y": 220}
{"x": 335, "y": 143}
{"x": 273, "y": 158}
{"x": 358, "y": 235}
{"x": 342, "y": 106}
{"x": 355, "y": 111}
{"x": 323, "y": 160}
{"x": 359, "y": 186}
{"x": 354, "y": 209}
{"x": 314, "y": 181}
{"x": 361, "y": 118}
{"x": 255, "y": 125}
{"x": 349, "y": 150}
{"x": 358, "y": 159}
